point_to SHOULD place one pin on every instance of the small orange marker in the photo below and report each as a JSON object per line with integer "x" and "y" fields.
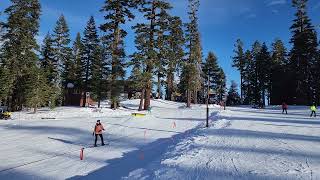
{"x": 81, "y": 153}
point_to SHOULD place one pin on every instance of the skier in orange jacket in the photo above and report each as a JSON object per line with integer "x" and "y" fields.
{"x": 97, "y": 131}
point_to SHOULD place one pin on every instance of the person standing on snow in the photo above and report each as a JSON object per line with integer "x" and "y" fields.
{"x": 313, "y": 109}
{"x": 284, "y": 108}
{"x": 97, "y": 131}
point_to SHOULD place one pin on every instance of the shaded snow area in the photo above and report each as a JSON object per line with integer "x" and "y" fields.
{"x": 244, "y": 143}
{"x": 47, "y": 145}
{"x": 170, "y": 143}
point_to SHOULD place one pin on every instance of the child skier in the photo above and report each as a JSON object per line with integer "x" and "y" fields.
{"x": 97, "y": 131}
{"x": 284, "y": 108}
{"x": 313, "y": 109}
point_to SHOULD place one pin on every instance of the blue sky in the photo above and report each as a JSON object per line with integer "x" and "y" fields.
{"x": 221, "y": 22}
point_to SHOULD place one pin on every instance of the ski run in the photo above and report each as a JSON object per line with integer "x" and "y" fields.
{"x": 171, "y": 142}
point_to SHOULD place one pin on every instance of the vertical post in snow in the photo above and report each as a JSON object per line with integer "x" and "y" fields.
{"x": 145, "y": 133}
{"x": 81, "y": 153}
{"x": 207, "y": 124}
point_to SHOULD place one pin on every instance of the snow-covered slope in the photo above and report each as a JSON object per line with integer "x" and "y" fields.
{"x": 36, "y": 146}
{"x": 244, "y": 143}
{"x": 170, "y": 143}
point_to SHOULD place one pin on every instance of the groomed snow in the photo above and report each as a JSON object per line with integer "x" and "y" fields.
{"x": 169, "y": 143}
{"x": 34, "y": 146}
{"x": 244, "y": 143}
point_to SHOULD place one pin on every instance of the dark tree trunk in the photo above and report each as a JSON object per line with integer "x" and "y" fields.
{"x": 141, "y": 100}
{"x": 159, "y": 87}
{"x": 195, "y": 97}
{"x": 188, "y": 98}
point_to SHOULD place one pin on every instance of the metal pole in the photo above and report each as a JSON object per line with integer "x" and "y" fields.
{"x": 207, "y": 124}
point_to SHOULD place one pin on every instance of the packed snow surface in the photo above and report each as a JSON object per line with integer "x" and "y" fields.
{"x": 171, "y": 142}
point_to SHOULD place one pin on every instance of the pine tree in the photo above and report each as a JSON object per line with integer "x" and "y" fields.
{"x": 139, "y": 77}
{"x": 19, "y": 51}
{"x": 176, "y": 53}
{"x": 212, "y": 70}
{"x": 39, "y": 92}
{"x": 263, "y": 61}
{"x": 233, "y": 95}
{"x": 255, "y": 52}
{"x": 279, "y": 76}
{"x": 92, "y": 60}
{"x": 239, "y": 62}
{"x": 151, "y": 10}
{"x": 6, "y": 83}
{"x": 249, "y": 80}
{"x": 162, "y": 50}
{"x": 63, "y": 56}
{"x": 117, "y": 12}
{"x": 47, "y": 58}
{"x": 77, "y": 56}
{"x": 193, "y": 65}
{"x": 98, "y": 76}
{"x": 303, "y": 57}
{"x": 221, "y": 86}
{"x": 47, "y": 70}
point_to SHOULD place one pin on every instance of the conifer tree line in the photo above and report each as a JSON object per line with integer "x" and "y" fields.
{"x": 273, "y": 75}
{"x": 168, "y": 56}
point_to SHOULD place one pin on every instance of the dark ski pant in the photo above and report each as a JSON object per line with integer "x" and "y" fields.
{"x": 284, "y": 110}
{"x": 313, "y": 112}
{"x": 96, "y": 139}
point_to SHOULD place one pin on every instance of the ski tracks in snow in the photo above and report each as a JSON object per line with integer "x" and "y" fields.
{"x": 240, "y": 145}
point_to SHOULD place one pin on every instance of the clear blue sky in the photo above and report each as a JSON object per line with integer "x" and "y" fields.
{"x": 221, "y": 22}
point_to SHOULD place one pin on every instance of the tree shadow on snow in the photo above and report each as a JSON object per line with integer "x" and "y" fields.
{"x": 47, "y": 129}
{"x": 142, "y": 128}
{"x": 185, "y": 119}
{"x": 260, "y": 134}
{"x": 276, "y": 120}
{"x": 275, "y": 112}
{"x": 282, "y": 125}
{"x": 136, "y": 159}
{"x": 251, "y": 150}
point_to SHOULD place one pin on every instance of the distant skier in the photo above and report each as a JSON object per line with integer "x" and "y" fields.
{"x": 284, "y": 107}
{"x": 313, "y": 109}
{"x": 97, "y": 131}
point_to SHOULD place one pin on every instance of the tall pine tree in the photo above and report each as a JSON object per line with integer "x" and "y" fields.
{"x": 19, "y": 51}
{"x": 139, "y": 77}
{"x": 249, "y": 80}
{"x": 221, "y": 86}
{"x": 239, "y": 62}
{"x": 151, "y": 10}
{"x": 263, "y": 62}
{"x": 92, "y": 60}
{"x": 117, "y": 12}
{"x": 211, "y": 72}
{"x": 279, "y": 75}
{"x": 47, "y": 58}
{"x": 303, "y": 57}
{"x": 63, "y": 56}
{"x": 193, "y": 64}
{"x": 78, "y": 60}
{"x": 255, "y": 52}
{"x": 47, "y": 68}
{"x": 175, "y": 43}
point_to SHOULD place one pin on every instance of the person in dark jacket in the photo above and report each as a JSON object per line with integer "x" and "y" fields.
{"x": 97, "y": 131}
{"x": 284, "y": 108}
